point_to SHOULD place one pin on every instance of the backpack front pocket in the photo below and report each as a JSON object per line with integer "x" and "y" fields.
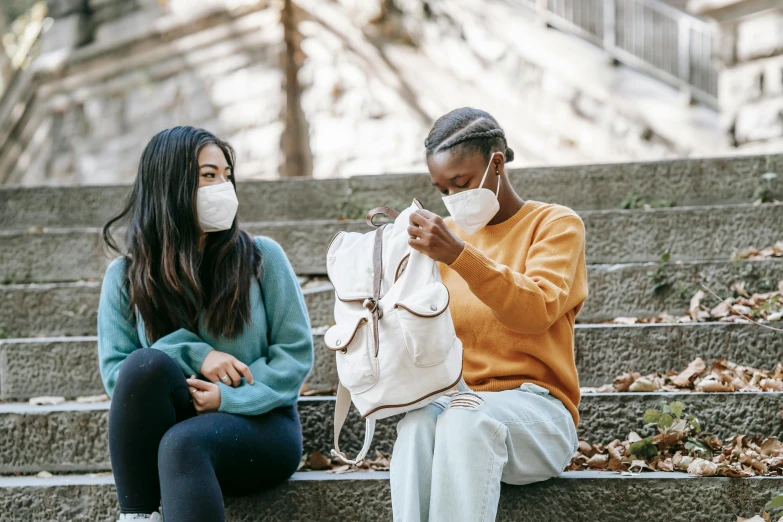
{"x": 357, "y": 365}
{"x": 428, "y": 332}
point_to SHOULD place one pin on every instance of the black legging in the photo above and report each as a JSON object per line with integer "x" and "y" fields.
{"x": 161, "y": 449}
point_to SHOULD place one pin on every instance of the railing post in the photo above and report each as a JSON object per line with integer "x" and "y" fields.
{"x": 684, "y": 49}
{"x": 610, "y": 24}
{"x": 543, "y": 16}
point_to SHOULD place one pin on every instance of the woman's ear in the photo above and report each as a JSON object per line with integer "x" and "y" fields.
{"x": 497, "y": 161}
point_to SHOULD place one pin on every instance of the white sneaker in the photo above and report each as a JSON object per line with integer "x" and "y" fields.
{"x": 154, "y": 517}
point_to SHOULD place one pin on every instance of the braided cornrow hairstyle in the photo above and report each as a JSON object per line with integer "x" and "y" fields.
{"x": 468, "y": 130}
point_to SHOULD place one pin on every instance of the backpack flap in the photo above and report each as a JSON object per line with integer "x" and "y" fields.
{"x": 352, "y": 343}
{"x": 426, "y": 325}
{"x": 349, "y": 265}
{"x": 338, "y": 337}
{"x": 430, "y": 301}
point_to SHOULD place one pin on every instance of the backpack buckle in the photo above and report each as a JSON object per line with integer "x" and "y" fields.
{"x": 372, "y": 305}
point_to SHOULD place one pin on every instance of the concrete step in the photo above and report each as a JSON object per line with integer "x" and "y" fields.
{"x": 577, "y": 496}
{"x": 617, "y": 236}
{"x": 71, "y": 437}
{"x": 56, "y": 309}
{"x": 68, "y": 366}
{"x": 584, "y": 187}
{"x": 628, "y": 289}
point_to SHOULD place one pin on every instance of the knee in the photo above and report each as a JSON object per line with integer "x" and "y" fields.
{"x": 420, "y": 422}
{"x": 465, "y": 419}
{"x": 147, "y": 367}
{"x": 176, "y": 448}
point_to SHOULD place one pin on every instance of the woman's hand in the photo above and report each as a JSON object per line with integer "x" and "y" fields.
{"x": 225, "y": 368}
{"x": 430, "y": 235}
{"x": 206, "y": 396}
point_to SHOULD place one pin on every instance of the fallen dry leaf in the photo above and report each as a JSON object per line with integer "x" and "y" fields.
{"x": 775, "y": 250}
{"x": 643, "y": 384}
{"x": 741, "y": 456}
{"x": 585, "y": 448}
{"x": 93, "y": 399}
{"x": 316, "y": 461}
{"x": 695, "y": 306}
{"x": 702, "y": 468}
{"x": 683, "y": 462}
{"x": 771, "y": 446}
{"x": 722, "y": 376}
{"x": 46, "y": 401}
{"x": 598, "y": 461}
{"x": 637, "y": 466}
{"x": 684, "y": 378}
{"x": 723, "y": 309}
{"x": 624, "y": 381}
{"x": 339, "y": 470}
{"x": 761, "y": 307}
{"x": 771, "y": 385}
{"x": 324, "y": 391}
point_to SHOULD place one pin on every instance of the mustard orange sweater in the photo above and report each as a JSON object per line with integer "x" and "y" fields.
{"x": 515, "y": 291}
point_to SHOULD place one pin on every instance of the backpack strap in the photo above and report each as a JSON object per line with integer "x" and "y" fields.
{"x": 341, "y": 407}
{"x": 387, "y": 211}
{"x": 343, "y": 401}
{"x": 372, "y": 303}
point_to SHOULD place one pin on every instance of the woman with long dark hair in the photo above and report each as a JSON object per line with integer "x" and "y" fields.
{"x": 516, "y": 276}
{"x": 203, "y": 339}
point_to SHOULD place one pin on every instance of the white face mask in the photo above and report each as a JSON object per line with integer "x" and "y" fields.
{"x": 473, "y": 209}
{"x": 217, "y": 207}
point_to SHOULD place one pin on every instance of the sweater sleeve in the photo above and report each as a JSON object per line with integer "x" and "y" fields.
{"x": 117, "y": 336}
{"x": 530, "y": 302}
{"x": 186, "y": 348}
{"x": 277, "y": 377}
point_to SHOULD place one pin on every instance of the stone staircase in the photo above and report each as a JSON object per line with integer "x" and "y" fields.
{"x": 51, "y": 264}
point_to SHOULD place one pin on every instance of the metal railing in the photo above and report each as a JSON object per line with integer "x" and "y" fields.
{"x": 648, "y": 35}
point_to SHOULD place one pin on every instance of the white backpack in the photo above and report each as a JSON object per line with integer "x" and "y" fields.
{"x": 394, "y": 338}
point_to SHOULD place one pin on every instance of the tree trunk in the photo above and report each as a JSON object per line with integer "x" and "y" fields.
{"x": 295, "y": 141}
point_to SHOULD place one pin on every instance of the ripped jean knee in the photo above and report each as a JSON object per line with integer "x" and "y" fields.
{"x": 465, "y": 401}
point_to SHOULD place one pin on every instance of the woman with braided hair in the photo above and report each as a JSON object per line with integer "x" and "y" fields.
{"x": 516, "y": 275}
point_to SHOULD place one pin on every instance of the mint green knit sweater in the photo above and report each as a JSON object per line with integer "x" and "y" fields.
{"x": 277, "y": 343}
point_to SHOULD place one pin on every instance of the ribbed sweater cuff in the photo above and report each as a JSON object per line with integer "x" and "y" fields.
{"x": 229, "y": 400}
{"x": 471, "y": 264}
{"x": 197, "y": 352}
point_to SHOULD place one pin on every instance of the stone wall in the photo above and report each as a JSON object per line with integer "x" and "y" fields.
{"x": 88, "y": 121}
{"x": 308, "y": 87}
{"x": 751, "y": 81}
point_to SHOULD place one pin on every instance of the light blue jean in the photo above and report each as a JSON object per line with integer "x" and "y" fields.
{"x": 451, "y": 456}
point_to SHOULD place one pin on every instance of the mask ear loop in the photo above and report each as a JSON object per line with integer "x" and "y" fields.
{"x": 497, "y": 190}
{"x": 486, "y": 171}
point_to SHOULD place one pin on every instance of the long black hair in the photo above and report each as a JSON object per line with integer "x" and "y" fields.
{"x": 169, "y": 281}
{"x": 468, "y": 130}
